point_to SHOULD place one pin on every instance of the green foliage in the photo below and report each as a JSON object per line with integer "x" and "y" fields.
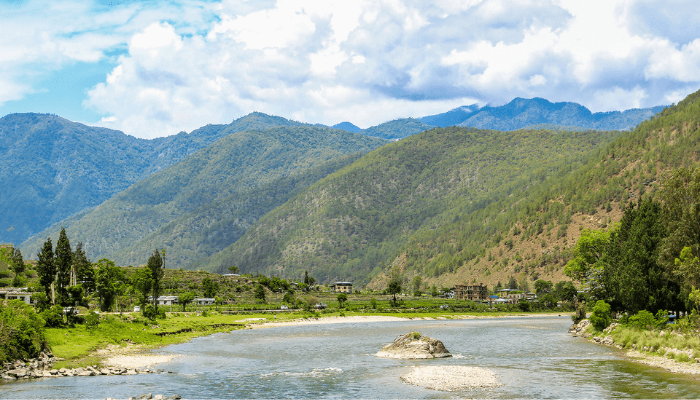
{"x": 585, "y": 264}
{"x": 542, "y": 287}
{"x": 184, "y": 299}
{"x": 155, "y": 269}
{"x": 92, "y": 320}
{"x": 109, "y": 281}
{"x": 210, "y": 287}
{"x": 524, "y": 305}
{"x": 394, "y": 288}
{"x": 601, "y": 317}
{"x": 63, "y": 259}
{"x": 260, "y": 293}
{"x": 46, "y": 267}
{"x": 342, "y": 298}
{"x": 642, "y": 320}
{"x": 53, "y": 316}
{"x": 21, "y": 331}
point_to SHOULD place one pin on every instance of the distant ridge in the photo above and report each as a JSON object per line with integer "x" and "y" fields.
{"x": 347, "y": 126}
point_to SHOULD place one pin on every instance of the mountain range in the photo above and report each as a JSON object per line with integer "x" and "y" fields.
{"x": 197, "y": 194}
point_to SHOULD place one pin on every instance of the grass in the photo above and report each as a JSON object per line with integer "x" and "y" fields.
{"x": 656, "y": 342}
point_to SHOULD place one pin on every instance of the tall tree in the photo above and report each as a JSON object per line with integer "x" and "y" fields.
{"x": 142, "y": 283}
{"x": 109, "y": 282}
{"x": 633, "y": 277}
{"x": 155, "y": 267}
{"x": 84, "y": 271}
{"x": 64, "y": 265}
{"x": 17, "y": 265}
{"x": 46, "y": 268}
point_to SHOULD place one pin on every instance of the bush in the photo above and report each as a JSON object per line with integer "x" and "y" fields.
{"x": 53, "y": 316}
{"x": 642, "y": 320}
{"x": 601, "y": 318}
{"x": 150, "y": 312}
{"x": 92, "y": 319}
{"x": 523, "y": 305}
{"x": 21, "y": 331}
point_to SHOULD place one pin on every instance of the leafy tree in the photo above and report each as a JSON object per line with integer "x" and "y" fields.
{"x": 260, "y": 292}
{"x": 434, "y": 291}
{"x": 46, "y": 267}
{"x": 53, "y": 316}
{"x": 155, "y": 268}
{"x": 76, "y": 295}
{"x": 92, "y": 320}
{"x": 394, "y": 288}
{"x": 601, "y": 317}
{"x": 543, "y": 287}
{"x": 586, "y": 265}
{"x": 185, "y": 299}
{"x": 687, "y": 269}
{"x": 142, "y": 283}
{"x": 289, "y": 297}
{"x": 109, "y": 282}
{"x": 17, "y": 266}
{"x": 524, "y": 305}
{"x": 565, "y": 290}
{"x": 512, "y": 283}
{"x": 548, "y": 300}
{"x": 210, "y": 287}
{"x": 233, "y": 269}
{"x": 64, "y": 261}
{"x": 309, "y": 280}
{"x": 41, "y": 302}
{"x": 417, "y": 282}
{"x": 342, "y": 298}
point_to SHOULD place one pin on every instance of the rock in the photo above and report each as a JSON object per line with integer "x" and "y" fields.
{"x": 159, "y": 397}
{"x": 131, "y": 372}
{"x": 413, "y": 345}
{"x": 18, "y": 372}
{"x": 47, "y": 374}
{"x": 8, "y": 377}
{"x": 175, "y": 397}
{"x": 105, "y": 371}
{"x": 146, "y": 396}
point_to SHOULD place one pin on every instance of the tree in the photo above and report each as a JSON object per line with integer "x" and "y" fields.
{"x": 289, "y": 298}
{"x": 155, "y": 267}
{"x": 601, "y": 318}
{"x": 185, "y": 299}
{"x": 417, "y": 282}
{"x": 309, "y": 280}
{"x": 233, "y": 269}
{"x": 512, "y": 283}
{"x": 632, "y": 276}
{"x": 543, "y": 287}
{"x": 46, "y": 268}
{"x": 83, "y": 269}
{"x": 586, "y": 263}
{"x": 109, "y": 282}
{"x": 565, "y": 290}
{"x": 681, "y": 214}
{"x": 394, "y": 288}
{"x": 342, "y": 298}
{"x": 260, "y": 292}
{"x": 210, "y": 287}
{"x": 142, "y": 283}
{"x": 17, "y": 266}
{"x": 64, "y": 263}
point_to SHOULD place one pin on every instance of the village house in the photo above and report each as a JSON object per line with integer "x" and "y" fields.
{"x": 16, "y": 294}
{"x": 478, "y": 292}
{"x": 204, "y": 301}
{"x": 342, "y": 287}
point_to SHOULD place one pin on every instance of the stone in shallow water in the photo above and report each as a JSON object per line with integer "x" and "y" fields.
{"x": 451, "y": 378}
{"x": 413, "y": 345}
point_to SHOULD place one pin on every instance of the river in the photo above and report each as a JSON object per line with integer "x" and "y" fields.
{"x": 534, "y": 357}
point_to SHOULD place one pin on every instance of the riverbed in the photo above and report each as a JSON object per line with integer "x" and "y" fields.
{"x": 532, "y": 357}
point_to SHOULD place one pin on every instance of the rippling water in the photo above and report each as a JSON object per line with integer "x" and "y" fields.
{"x": 534, "y": 357}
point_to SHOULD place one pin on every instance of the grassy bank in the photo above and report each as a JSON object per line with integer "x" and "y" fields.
{"x": 672, "y": 344}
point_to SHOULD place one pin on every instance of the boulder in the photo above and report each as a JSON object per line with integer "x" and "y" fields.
{"x": 413, "y": 345}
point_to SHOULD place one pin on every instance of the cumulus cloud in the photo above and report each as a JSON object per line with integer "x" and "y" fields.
{"x": 188, "y": 64}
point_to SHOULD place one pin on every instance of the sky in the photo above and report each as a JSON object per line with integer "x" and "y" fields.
{"x": 156, "y": 68}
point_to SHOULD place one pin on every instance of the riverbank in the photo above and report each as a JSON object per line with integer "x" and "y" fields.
{"x": 672, "y": 351}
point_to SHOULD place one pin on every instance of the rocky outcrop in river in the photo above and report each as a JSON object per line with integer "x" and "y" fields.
{"x": 414, "y": 345}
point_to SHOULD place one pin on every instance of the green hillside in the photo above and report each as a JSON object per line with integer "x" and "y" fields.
{"x": 350, "y": 224}
{"x": 454, "y": 205}
{"x": 205, "y": 202}
{"x": 53, "y": 168}
{"x": 397, "y": 129}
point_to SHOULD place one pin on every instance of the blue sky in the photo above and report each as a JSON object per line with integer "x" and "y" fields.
{"x": 155, "y": 68}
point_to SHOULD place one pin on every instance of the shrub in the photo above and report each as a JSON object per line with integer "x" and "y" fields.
{"x": 601, "y": 318}
{"x": 92, "y": 320}
{"x": 53, "y": 316}
{"x": 21, "y": 331}
{"x": 642, "y": 320}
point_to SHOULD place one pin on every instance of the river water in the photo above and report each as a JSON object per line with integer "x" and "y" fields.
{"x": 534, "y": 357}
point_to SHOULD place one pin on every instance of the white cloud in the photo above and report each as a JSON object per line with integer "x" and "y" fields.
{"x": 191, "y": 63}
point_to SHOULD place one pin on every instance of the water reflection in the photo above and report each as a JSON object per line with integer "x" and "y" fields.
{"x": 534, "y": 358}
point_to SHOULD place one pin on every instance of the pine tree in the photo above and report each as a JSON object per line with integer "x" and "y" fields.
{"x": 82, "y": 269}
{"x": 17, "y": 265}
{"x": 46, "y": 268}
{"x": 64, "y": 262}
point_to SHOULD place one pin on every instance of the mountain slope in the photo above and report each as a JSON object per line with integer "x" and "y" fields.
{"x": 206, "y": 201}
{"x": 351, "y": 223}
{"x": 527, "y": 113}
{"x": 397, "y": 129}
{"x": 53, "y": 168}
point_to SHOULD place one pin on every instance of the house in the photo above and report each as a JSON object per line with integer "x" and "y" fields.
{"x": 204, "y": 301}
{"x": 164, "y": 300}
{"x": 342, "y": 287}
{"x": 472, "y": 292}
{"x": 16, "y": 294}
{"x": 511, "y": 295}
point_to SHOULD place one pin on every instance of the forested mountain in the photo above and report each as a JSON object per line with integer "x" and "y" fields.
{"x": 53, "y": 168}
{"x": 205, "y": 202}
{"x": 523, "y": 113}
{"x": 458, "y": 205}
{"x": 350, "y": 224}
{"x": 397, "y": 129}
{"x": 347, "y": 126}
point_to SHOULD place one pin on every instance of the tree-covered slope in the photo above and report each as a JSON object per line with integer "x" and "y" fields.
{"x": 397, "y": 129}
{"x": 52, "y": 168}
{"x": 352, "y": 223}
{"x": 205, "y": 202}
